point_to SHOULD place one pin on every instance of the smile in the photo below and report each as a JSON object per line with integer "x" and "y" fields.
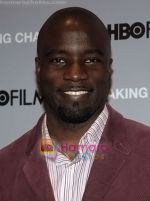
{"x": 75, "y": 93}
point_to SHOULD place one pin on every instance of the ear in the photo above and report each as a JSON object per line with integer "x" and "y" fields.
{"x": 37, "y": 73}
{"x": 110, "y": 63}
{"x": 110, "y": 66}
{"x": 37, "y": 64}
{"x": 110, "y": 74}
{"x": 37, "y": 67}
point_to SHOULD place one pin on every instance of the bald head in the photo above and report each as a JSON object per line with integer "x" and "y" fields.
{"x": 72, "y": 19}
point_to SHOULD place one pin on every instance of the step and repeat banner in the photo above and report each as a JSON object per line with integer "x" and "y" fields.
{"x": 129, "y": 25}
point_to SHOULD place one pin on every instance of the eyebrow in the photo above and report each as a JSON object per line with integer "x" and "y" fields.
{"x": 54, "y": 51}
{"x": 94, "y": 51}
{"x": 51, "y": 51}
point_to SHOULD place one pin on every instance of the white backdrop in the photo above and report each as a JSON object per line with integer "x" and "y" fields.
{"x": 20, "y": 21}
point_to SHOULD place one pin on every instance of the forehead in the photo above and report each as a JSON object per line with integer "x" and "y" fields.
{"x": 74, "y": 39}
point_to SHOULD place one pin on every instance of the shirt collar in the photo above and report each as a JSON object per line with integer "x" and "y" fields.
{"x": 91, "y": 137}
{"x": 94, "y": 133}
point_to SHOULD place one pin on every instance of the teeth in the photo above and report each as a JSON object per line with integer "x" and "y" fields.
{"x": 75, "y": 93}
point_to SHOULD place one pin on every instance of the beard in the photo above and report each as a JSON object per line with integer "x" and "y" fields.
{"x": 75, "y": 114}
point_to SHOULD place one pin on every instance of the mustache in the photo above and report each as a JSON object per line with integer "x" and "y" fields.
{"x": 75, "y": 88}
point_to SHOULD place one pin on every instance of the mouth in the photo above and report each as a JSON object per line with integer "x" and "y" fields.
{"x": 75, "y": 93}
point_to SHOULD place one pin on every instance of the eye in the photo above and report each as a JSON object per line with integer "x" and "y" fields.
{"x": 92, "y": 60}
{"x": 57, "y": 61}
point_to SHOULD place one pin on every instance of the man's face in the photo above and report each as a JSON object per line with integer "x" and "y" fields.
{"x": 73, "y": 73}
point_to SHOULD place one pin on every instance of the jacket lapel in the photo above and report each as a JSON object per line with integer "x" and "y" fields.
{"x": 103, "y": 172}
{"x": 34, "y": 172}
{"x": 35, "y": 175}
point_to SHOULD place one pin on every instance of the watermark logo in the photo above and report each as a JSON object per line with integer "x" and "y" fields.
{"x": 50, "y": 150}
{"x": 31, "y": 2}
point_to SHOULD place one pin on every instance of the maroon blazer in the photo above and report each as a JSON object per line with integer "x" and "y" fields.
{"x": 123, "y": 174}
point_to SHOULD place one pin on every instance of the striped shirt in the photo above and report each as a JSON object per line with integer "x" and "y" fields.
{"x": 69, "y": 177}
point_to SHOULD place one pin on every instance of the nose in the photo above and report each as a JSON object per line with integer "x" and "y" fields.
{"x": 75, "y": 72}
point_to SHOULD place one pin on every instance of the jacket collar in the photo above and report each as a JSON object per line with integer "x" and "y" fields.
{"x": 102, "y": 172}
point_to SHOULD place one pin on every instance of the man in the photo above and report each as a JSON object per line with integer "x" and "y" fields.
{"x": 81, "y": 148}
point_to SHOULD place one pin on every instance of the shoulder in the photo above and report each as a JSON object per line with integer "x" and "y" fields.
{"x": 20, "y": 146}
{"x": 137, "y": 134}
{"x": 128, "y": 124}
{"x": 136, "y": 127}
{"x": 14, "y": 155}
{"x": 16, "y": 148}
{"x": 11, "y": 157}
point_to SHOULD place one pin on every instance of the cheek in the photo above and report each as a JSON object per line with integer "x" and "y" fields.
{"x": 46, "y": 85}
{"x": 99, "y": 77}
{"x": 50, "y": 79}
{"x": 102, "y": 85}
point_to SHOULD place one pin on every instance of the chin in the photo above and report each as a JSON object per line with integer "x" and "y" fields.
{"x": 76, "y": 114}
